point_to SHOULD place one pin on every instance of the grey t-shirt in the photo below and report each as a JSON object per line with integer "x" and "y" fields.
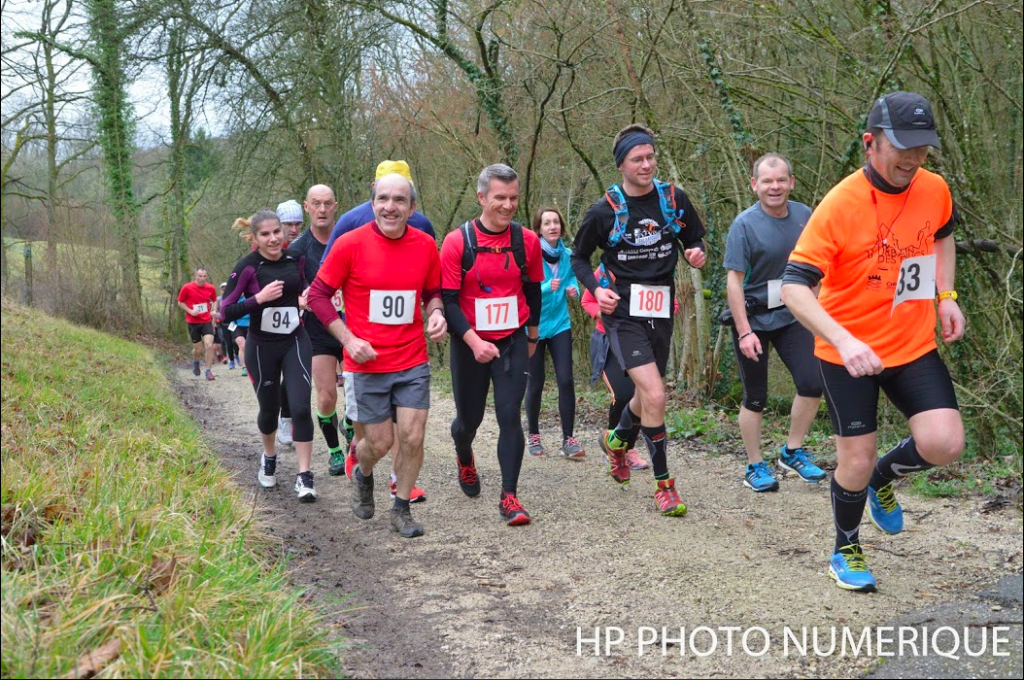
{"x": 759, "y": 246}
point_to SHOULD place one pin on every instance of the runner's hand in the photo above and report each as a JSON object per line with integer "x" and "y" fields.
{"x": 270, "y": 292}
{"x": 859, "y": 359}
{"x": 555, "y": 285}
{"x": 607, "y": 300}
{"x": 695, "y": 256}
{"x": 304, "y": 300}
{"x": 750, "y": 346}
{"x": 953, "y": 320}
{"x": 437, "y": 326}
{"x": 485, "y": 352}
{"x": 572, "y": 292}
{"x": 360, "y": 350}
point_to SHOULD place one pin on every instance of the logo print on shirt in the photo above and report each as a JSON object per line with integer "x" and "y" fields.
{"x": 648, "y": 234}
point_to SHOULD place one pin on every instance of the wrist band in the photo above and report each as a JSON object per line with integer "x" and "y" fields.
{"x": 748, "y": 333}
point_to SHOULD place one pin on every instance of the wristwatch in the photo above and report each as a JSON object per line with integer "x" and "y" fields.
{"x": 951, "y": 294}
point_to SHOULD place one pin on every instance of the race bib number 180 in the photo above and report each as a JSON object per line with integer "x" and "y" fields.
{"x": 917, "y": 280}
{"x": 497, "y": 314}
{"x": 649, "y": 302}
{"x": 392, "y": 307}
{"x": 281, "y": 320}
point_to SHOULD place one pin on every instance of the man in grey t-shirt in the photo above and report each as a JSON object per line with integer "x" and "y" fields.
{"x": 757, "y": 249}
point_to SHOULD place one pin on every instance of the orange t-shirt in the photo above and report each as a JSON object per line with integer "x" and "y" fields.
{"x": 858, "y": 237}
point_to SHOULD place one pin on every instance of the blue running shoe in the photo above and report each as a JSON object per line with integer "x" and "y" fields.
{"x": 802, "y": 463}
{"x": 884, "y": 510}
{"x": 759, "y": 477}
{"x": 849, "y": 569}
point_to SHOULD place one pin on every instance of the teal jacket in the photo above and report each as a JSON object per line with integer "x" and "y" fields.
{"x": 554, "y": 309}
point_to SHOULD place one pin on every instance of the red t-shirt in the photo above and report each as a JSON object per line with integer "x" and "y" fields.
{"x": 193, "y": 294}
{"x": 367, "y": 266}
{"x": 496, "y": 271}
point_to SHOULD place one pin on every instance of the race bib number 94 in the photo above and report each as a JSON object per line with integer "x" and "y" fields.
{"x": 497, "y": 314}
{"x": 917, "y": 280}
{"x": 281, "y": 320}
{"x": 392, "y": 307}
{"x": 649, "y": 302}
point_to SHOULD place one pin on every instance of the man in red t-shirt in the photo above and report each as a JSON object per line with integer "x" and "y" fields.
{"x": 492, "y": 301}
{"x": 198, "y": 299}
{"x": 385, "y": 272}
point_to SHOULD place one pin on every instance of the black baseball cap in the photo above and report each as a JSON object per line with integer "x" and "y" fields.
{"x": 906, "y": 118}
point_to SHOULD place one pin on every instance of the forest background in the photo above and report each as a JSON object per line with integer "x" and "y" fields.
{"x": 135, "y": 131}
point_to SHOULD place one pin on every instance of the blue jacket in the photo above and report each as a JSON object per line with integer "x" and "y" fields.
{"x": 554, "y": 308}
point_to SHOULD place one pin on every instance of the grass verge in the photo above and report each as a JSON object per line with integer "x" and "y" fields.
{"x": 126, "y": 548}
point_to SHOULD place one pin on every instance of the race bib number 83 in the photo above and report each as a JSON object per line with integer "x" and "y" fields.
{"x": 392, "y": 307}
{"x": 917, "y": 280}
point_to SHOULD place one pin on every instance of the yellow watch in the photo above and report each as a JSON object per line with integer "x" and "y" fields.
{"x": 951, "y": 294}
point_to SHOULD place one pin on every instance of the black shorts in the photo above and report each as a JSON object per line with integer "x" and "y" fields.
{"x": 922, "y": 385}
{"x": 636, "y": 342}
{"x": 196, "y": 331}
{"x": 239, "y": 332}
{"x": 795, "y": 346}
{"x": 320, "y": 339}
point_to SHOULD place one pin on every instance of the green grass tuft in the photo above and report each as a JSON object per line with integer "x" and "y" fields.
{"x": 120, "y": 525}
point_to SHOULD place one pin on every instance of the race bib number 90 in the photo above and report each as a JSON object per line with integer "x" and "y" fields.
{"x": 649, "y": 302}
{"x": 282, "y": 320}
{"x": 392, "y": 307}
{"x": 497, "y": 314}
{"x": 202, "y": 308}
{"x": 917, "y": 280}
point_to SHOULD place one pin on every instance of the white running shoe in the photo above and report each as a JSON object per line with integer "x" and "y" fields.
{"x": 304, "y": 487}
{"x": 265, "y": 476}
{"x": 284, "y": 432}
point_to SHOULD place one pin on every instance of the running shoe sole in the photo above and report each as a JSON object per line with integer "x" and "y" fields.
{"x": 773, "y": 487}
{"x": 517, "y": 521}
{"x": 867, "y": 588}
{"x": 800, "y": 476}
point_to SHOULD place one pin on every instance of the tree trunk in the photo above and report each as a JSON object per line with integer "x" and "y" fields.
{"x": 116, "y": 132}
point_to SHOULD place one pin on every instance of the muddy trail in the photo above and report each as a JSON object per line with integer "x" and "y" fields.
{"x": 474, "y": 597}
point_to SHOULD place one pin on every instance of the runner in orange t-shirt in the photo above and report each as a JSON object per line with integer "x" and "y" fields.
{"x": 879, "y": 243}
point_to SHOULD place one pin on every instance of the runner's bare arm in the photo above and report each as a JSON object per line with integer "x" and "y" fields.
{"x": 750, "y": 344}
{"x": 858, "y": 357}
{"x": 950, "y": 315}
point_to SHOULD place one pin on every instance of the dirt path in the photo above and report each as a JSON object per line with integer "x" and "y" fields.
{"x": 476, "y": 598}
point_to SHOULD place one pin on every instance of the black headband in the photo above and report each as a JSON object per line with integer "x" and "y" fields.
{"x": 628, "y": 142}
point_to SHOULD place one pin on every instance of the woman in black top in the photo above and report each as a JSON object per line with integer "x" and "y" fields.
{"x": 272, "y": 280}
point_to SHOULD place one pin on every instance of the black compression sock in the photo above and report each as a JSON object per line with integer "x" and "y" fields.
{"x": 847, "y": 513}
{"x": 329, "y": 429}
{"x": 900, "y": 461}
{"x": 657, "y": 441}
